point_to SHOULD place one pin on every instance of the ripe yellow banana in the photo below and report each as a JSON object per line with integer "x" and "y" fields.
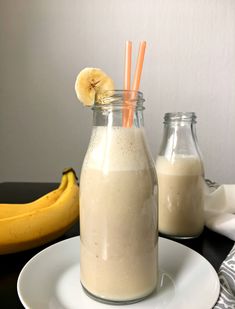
{"x": 91, "y": 84}
{"x": 10, "y": 210}
{"x": 37, "y": 227}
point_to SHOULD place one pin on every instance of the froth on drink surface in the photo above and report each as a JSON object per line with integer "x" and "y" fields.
{"x": 180, "y": 165}
{"x": 117, "y": 148}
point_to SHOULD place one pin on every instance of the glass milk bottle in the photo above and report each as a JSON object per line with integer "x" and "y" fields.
{"x": 118, "y": 225}
{"x": 180, "y": 178}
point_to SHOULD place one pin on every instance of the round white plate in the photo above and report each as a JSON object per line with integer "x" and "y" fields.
{"x": 51, "y": 280}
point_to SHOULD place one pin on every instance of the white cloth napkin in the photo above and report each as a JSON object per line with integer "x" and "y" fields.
{"x": 220, "y": 210}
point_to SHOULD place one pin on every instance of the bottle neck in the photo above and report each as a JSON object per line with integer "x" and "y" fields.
{"x": 119, "y": 109}
{"x": 179, "y": 136}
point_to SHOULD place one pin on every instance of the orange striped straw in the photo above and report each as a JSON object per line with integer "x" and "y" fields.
{"x": 127, "y": 78}
{"x": 139, "y": 66}
{"x": 136, "y": 83}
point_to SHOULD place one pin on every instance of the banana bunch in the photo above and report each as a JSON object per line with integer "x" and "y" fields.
{"x": 25, "y": 226}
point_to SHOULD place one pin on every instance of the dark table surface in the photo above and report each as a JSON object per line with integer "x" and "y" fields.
{"x": 212, "y": 246}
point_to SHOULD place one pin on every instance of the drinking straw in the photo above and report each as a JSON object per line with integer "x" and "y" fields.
{"x": 128, "y": 114}
{"x": 127, "y": 78}
{"x": 139, "y": 66}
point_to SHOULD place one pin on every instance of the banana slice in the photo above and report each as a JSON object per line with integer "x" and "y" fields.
{"x": 90, "y": 85}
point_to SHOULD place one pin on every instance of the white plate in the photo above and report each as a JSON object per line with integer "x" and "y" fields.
{"x": 50, "y": 280}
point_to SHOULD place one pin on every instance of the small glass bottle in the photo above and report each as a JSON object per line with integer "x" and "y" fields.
{"x": 180, "y": 175}
{"x": 118, "y": 202}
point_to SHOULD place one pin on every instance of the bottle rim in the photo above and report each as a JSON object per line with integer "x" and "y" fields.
{"x": 180, "y": 117}
{"x": 119, "y": 98}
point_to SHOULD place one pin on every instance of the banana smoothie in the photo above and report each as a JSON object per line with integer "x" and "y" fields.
{"x": 180, "y": 195}
{"x": 118, "y": 231}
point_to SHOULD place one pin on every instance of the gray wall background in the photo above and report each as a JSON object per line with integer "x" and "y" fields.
{"x": 189, "y": 66}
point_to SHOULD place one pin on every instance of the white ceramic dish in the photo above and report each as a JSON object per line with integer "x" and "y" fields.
{"x": 50, "y": 280}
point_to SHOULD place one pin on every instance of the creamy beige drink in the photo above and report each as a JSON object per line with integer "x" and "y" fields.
{"x": 118, "y": 229}
{"x": 181, "y": 185}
